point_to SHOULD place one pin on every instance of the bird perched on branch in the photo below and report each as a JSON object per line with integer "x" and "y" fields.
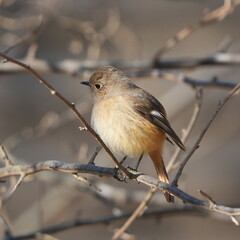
{"x": 129, "y": 120}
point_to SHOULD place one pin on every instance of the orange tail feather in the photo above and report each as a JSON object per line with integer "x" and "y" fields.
{"x": 156, "y": 157}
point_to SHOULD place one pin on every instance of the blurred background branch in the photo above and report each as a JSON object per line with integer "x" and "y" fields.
{"x": 65, "y": 42}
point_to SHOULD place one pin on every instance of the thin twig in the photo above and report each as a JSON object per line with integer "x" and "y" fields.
{"x": 6, "y": 227}
{"x": 30, "y": 36}
{"x": 5, "y": 157}
{"x": 187, "y": 131}
{"x": 212, "y": 203}
{"x": 224, "y": 45}
{"x": 208, "y": 18}
{"x": 152, "y": 182}
{"x": 137, "y": 213}
{"x": 86, "y": 181}
{"x": 169, "y": 211}
{"x": 92, "y": 159}
{"x": 12, "y": 189}
{"x": 81, "y": 69}
{"x": 196, "y": 145}
{"x": 143, "y": 205}
{"x": 70, "y": 105}
{"x": 47, "y": 124}
{"x": 234, "y": 220}
{"x": 181, "y": 78}
{"x": 53, "y": 165}
{"x": 220, "y": 59}
{"x": 133, "y": 68}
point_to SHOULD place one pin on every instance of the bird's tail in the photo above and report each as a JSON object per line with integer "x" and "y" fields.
{"x": 156, "y": 157}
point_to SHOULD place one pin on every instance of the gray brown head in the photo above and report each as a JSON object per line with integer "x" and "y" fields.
{"x": 107, "y": 81}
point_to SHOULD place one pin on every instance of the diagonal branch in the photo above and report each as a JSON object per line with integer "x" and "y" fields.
{"x": 71, "y": 168}
{"x": 174, "y": 210}
{"x": 70, "y": 105}
{"x": 208, "y": 18}
{"x": 139, "y": 211}
{"x": 196, "y": 145}
{"x": 187, "y": 131}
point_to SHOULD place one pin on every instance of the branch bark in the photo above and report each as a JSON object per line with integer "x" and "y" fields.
{"x": 69, "y": 104}
{"x": 53, "y": 165}
{"x": 173, "y": 210}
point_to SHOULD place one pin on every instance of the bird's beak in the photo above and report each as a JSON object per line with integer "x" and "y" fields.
{"x": 86, "y": 83}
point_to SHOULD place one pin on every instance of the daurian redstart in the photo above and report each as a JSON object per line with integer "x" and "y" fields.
{"x": 129, "y": 120}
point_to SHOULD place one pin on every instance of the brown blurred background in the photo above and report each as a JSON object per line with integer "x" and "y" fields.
{"x": 115, "y": 30}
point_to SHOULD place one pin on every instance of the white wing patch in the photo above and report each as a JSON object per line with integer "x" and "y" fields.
{"x": 157, "y": 114}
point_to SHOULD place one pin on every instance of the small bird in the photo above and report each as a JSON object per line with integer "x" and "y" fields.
{"x": 129, "y": 120}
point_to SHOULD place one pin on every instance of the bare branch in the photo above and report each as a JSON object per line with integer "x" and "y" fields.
{"x": 70, "y": 105}
{"x": 18, "y": 170}
{"x": 20, "y": 23}
{"x": 217, "y": 59}
{"x": 12, "y": 189}
{"x": 5, "y": 156}
{"x": 79, "y": 68}
{"x": 4, "y": 222}
{"x": 211, "y": 201}
{"x": 53, "y": 165}
{"x": 143, "y": 205}
{"x": 196, "y": 145}
{"x": 225, "y": 44}
{"x": 187, "y": 131}
{"x": 48, "y": 123}
{"x": 173, "y": 210}
{"x": 28, "y": 37}
{"x": 139, "y": 211}
{"x": 92, "y": 159}
{"x": 86, "y": 181}
{"x": 234, "y": 220}
{"x": 208, "y": 18}
{"x": 152, "y": 182}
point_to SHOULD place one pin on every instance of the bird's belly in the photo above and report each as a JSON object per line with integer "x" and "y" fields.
{"x": 124, "y": 131}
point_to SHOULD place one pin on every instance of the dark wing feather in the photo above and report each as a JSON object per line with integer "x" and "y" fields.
{"x": 156, "y": 115}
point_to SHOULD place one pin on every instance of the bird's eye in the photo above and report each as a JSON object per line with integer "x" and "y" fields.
{"x": 98, "y": 86}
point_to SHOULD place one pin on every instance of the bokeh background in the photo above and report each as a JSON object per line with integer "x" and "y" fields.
{"x": 35, "y": 126}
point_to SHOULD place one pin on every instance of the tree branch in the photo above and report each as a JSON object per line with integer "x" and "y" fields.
{"x": 208, "y": 18}
{"x": 196, "y": 145}
{"x": 186, "y": 132}
{"x": 173, "y": 210}
{"x": 70, "y": 105}
{"x": 77, "y": 68}
{"x": 53, "y": 165}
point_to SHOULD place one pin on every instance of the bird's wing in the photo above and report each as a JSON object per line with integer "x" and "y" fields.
{"x": 152, "y": 110}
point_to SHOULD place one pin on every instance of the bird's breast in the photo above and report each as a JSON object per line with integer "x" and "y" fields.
{"x": 123, "y": 130}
